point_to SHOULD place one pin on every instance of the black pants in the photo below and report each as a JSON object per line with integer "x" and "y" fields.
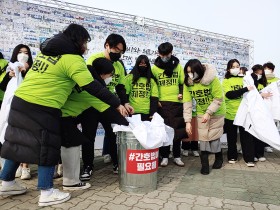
{"x": 89, "y": 120}
{"x": 165, "y": 151}
{"x": 190, "y": 145}
{"x": 172, "y": 113}
{"x": 145, "y": 117}
{"x": 246, "y": 140}
{"x": 259, "y": 147}
{"x": 106, "y": 144}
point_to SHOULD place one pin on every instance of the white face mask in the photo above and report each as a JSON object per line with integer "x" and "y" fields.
{"x": 108, "y": 80}
{"x": 22, "y": 57}
{"x": 193, "y": 76}
{"x": 267, "y": 71}
{"x": 259, "y": 76}
{"x": 165, "y": 59}
{"x": 234, "y": 71}
{"x": 240, "y": 75}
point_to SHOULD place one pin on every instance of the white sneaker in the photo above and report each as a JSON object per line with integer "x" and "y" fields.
{"x": 195, "y": 153}
{"x": 268, "y": 149}
{"x": 178, "y": 162}
{"x": 55, "y": 198}
{"x": 256, "y": 159}
{"x": 250, "y": 164}
{"x": 164, "y": 162}
{"x": 15, "y": 189}
{"x": 185, "y": 152}
{"x": 25, "y": 175}
{"x": 79, "y": 186}
{"x": 262, "y": 159}
{"x": 232, "y": 161}
{"x": 107, "y": 158}
{"x": 19, "y": 172}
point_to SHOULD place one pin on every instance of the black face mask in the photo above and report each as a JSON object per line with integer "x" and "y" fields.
{"x": 142, "y": 71}
{"x": 142, "y": 68}
{"x": 114, "y": 56}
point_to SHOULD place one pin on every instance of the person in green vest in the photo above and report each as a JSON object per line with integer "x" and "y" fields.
{"x": 270, "y": 76}
{"x": 233, "y": 91}
{"x": 72, "y": 138}
{"x": 114, "y": 47}
{"x": 3, "y": 66}
{"x": 141, "y": 89}
{"x": 202, "y": 84}
{"x": 33, "y": 134}
{"x": 169, "y": 76}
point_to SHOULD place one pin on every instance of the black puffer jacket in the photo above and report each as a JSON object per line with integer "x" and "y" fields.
{"x": 33, "y": 134}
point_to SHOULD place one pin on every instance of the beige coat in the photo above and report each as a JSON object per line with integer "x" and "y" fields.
{"x": 213, "y": 129}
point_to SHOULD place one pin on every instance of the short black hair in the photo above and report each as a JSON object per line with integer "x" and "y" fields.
{"x": 229, "y": 66}
{"x": 16, "y": 51}
{"x": 196, "y": 67}
{"x": 114, "y": 39}
{"x": 257, "y": 67}
{"x": 78, "y": 35}
{"x": 269, "y": 65}
{"x": 1, "y": 56}
{"x": 103, "y": 66}
{"x": 165, "y": 48}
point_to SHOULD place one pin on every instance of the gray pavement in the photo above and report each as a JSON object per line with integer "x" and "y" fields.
{"x": 232, "y": 187}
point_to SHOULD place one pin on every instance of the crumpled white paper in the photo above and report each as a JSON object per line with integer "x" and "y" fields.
{"x": 150, "y": 135}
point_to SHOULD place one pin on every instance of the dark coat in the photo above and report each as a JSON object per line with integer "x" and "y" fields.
{"x": 33, "y": 134}
{"x": 172, "y": 113}
{"x": 70, "y": 134}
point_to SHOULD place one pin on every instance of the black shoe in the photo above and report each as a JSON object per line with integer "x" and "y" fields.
{"x": 79, "y": 186}
{"x": 217, "y": 164}
{"x": 115, "y": 169}
{"x": 86, "y": 174}
{"x": 218, "y": 161}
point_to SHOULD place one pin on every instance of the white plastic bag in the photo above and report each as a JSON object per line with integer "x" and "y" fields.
{"x": 150, "y": 135}
{"x": 9, "y": 93}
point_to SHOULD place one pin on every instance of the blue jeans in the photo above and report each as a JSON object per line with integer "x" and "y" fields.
{"x": 45, "y": 174}
{"x": 45, "y": 177}
{"x": 8, "y": 172}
